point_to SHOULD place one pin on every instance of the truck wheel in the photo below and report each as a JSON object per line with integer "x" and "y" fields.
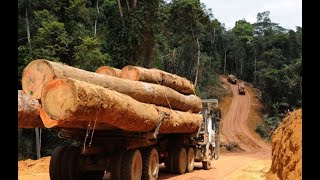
{"x": 150, "y": 161}
{"x": 70, "y": 163}
{"x": 92, "y": 175}
{"x": 131, "y": 165}
{"x": 180, "y": 161}
{"x": 169, "y": 161}
{"x": 116, "y": 166}
{"x": 190, "y": 159}
{"x": 206, "y": 165}
{"x": 55, "y": 162}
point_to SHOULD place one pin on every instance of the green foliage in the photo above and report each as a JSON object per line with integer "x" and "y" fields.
{"x": 164, "y": 34}
{"x": 263, "y": 131}
{"x": 266, "y": 128}
{"x": 88, "y": 55}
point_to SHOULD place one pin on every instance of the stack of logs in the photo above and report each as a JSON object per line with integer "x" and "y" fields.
{"x": 132, "y": 99}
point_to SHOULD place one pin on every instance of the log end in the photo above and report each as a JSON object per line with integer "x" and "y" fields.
{"x": 58, "y": 98}
{"x": 47, "y": 122}
{"x": 35, "y": 75}
{"x": 107, "y": 70}
{"x": 130, "y": 72}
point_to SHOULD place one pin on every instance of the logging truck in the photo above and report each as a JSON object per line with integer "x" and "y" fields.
{"x": 241, "y": 88}
{"x": 129, "y": 155}
{"x": 232, "y": 79}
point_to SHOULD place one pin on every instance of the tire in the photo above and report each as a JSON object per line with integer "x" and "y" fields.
{"x": 92, "y": 175}
{"x": 116, "y": 166}
{"x": 55, "y": 162}
{"x": 180, "y": 161}
{"x": 169, "y": 161}
{"x": 190, "y": 159}
{"x": 64, "y": 163}
{"x": 150, "y": 160}
{"x": 131, "y": 165}
{"x": 206, "y": 165}
{"x": 73, "y": 162}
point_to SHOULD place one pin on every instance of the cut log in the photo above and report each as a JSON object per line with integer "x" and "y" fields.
{"x": 157, "y": 76}
{"x": 73, "y": 100}
{"x": 38, "y": 72}
{"x": 49, "y": 123}
{"x": 109, "y": 71}
{"x": 28, "y": 112}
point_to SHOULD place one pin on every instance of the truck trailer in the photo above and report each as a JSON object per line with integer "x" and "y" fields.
{"x": 129, "y": 155}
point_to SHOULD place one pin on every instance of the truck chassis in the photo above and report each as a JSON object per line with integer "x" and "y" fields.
{"x": 135, "y": 156}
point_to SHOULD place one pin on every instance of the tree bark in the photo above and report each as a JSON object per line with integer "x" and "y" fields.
{"x": 157, "y": 76}
{"x": 109, "y": 71}
{"x": 28, "y": 112}
{"x": 78, "y": 101}
{"x": 39, "y": 72}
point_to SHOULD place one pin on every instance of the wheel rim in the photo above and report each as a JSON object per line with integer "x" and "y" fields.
{"x": 154, "y": 165}
{"x": 183, "y": 160}
{"x": 137, "y": 166}
{"x": 154, "y": 161}
{"x": 190, "y": 159}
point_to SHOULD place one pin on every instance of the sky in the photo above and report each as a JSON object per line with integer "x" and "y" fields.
{"x": 288, "y": 13}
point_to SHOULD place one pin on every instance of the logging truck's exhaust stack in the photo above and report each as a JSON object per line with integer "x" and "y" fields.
{"x": 129, "y": 155}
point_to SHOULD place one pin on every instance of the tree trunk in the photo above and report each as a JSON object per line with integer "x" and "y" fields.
{"x": 96, "y": 21}
{"x": 128, "y": 6}
{"x": 111, "y": 71}
{"x": 255, "y": 66}
{"x": 73, "y": 100}
{"x": 198, "y": 64}
{"x": 39, "y": 72}
{"x": 28, "y": 112}
{"x": 225, "y": 61}
{"x": 120, "y": 8}
{"x": 157, "y": 76}
{"x": 241, "y": 66}
{"x": 28, "y": 30}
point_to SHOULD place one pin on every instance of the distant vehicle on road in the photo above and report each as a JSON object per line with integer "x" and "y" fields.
{"x": 241, "y": 88}
{"x": 232, "y": 79}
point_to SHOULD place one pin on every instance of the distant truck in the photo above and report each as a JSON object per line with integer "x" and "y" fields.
{"x": 241, "y": 88}
{"x": 232, "y": 79}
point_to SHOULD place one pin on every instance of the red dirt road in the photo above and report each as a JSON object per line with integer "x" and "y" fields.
{"x": 252, "y": 163}
{"x": 234, "y": 124}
